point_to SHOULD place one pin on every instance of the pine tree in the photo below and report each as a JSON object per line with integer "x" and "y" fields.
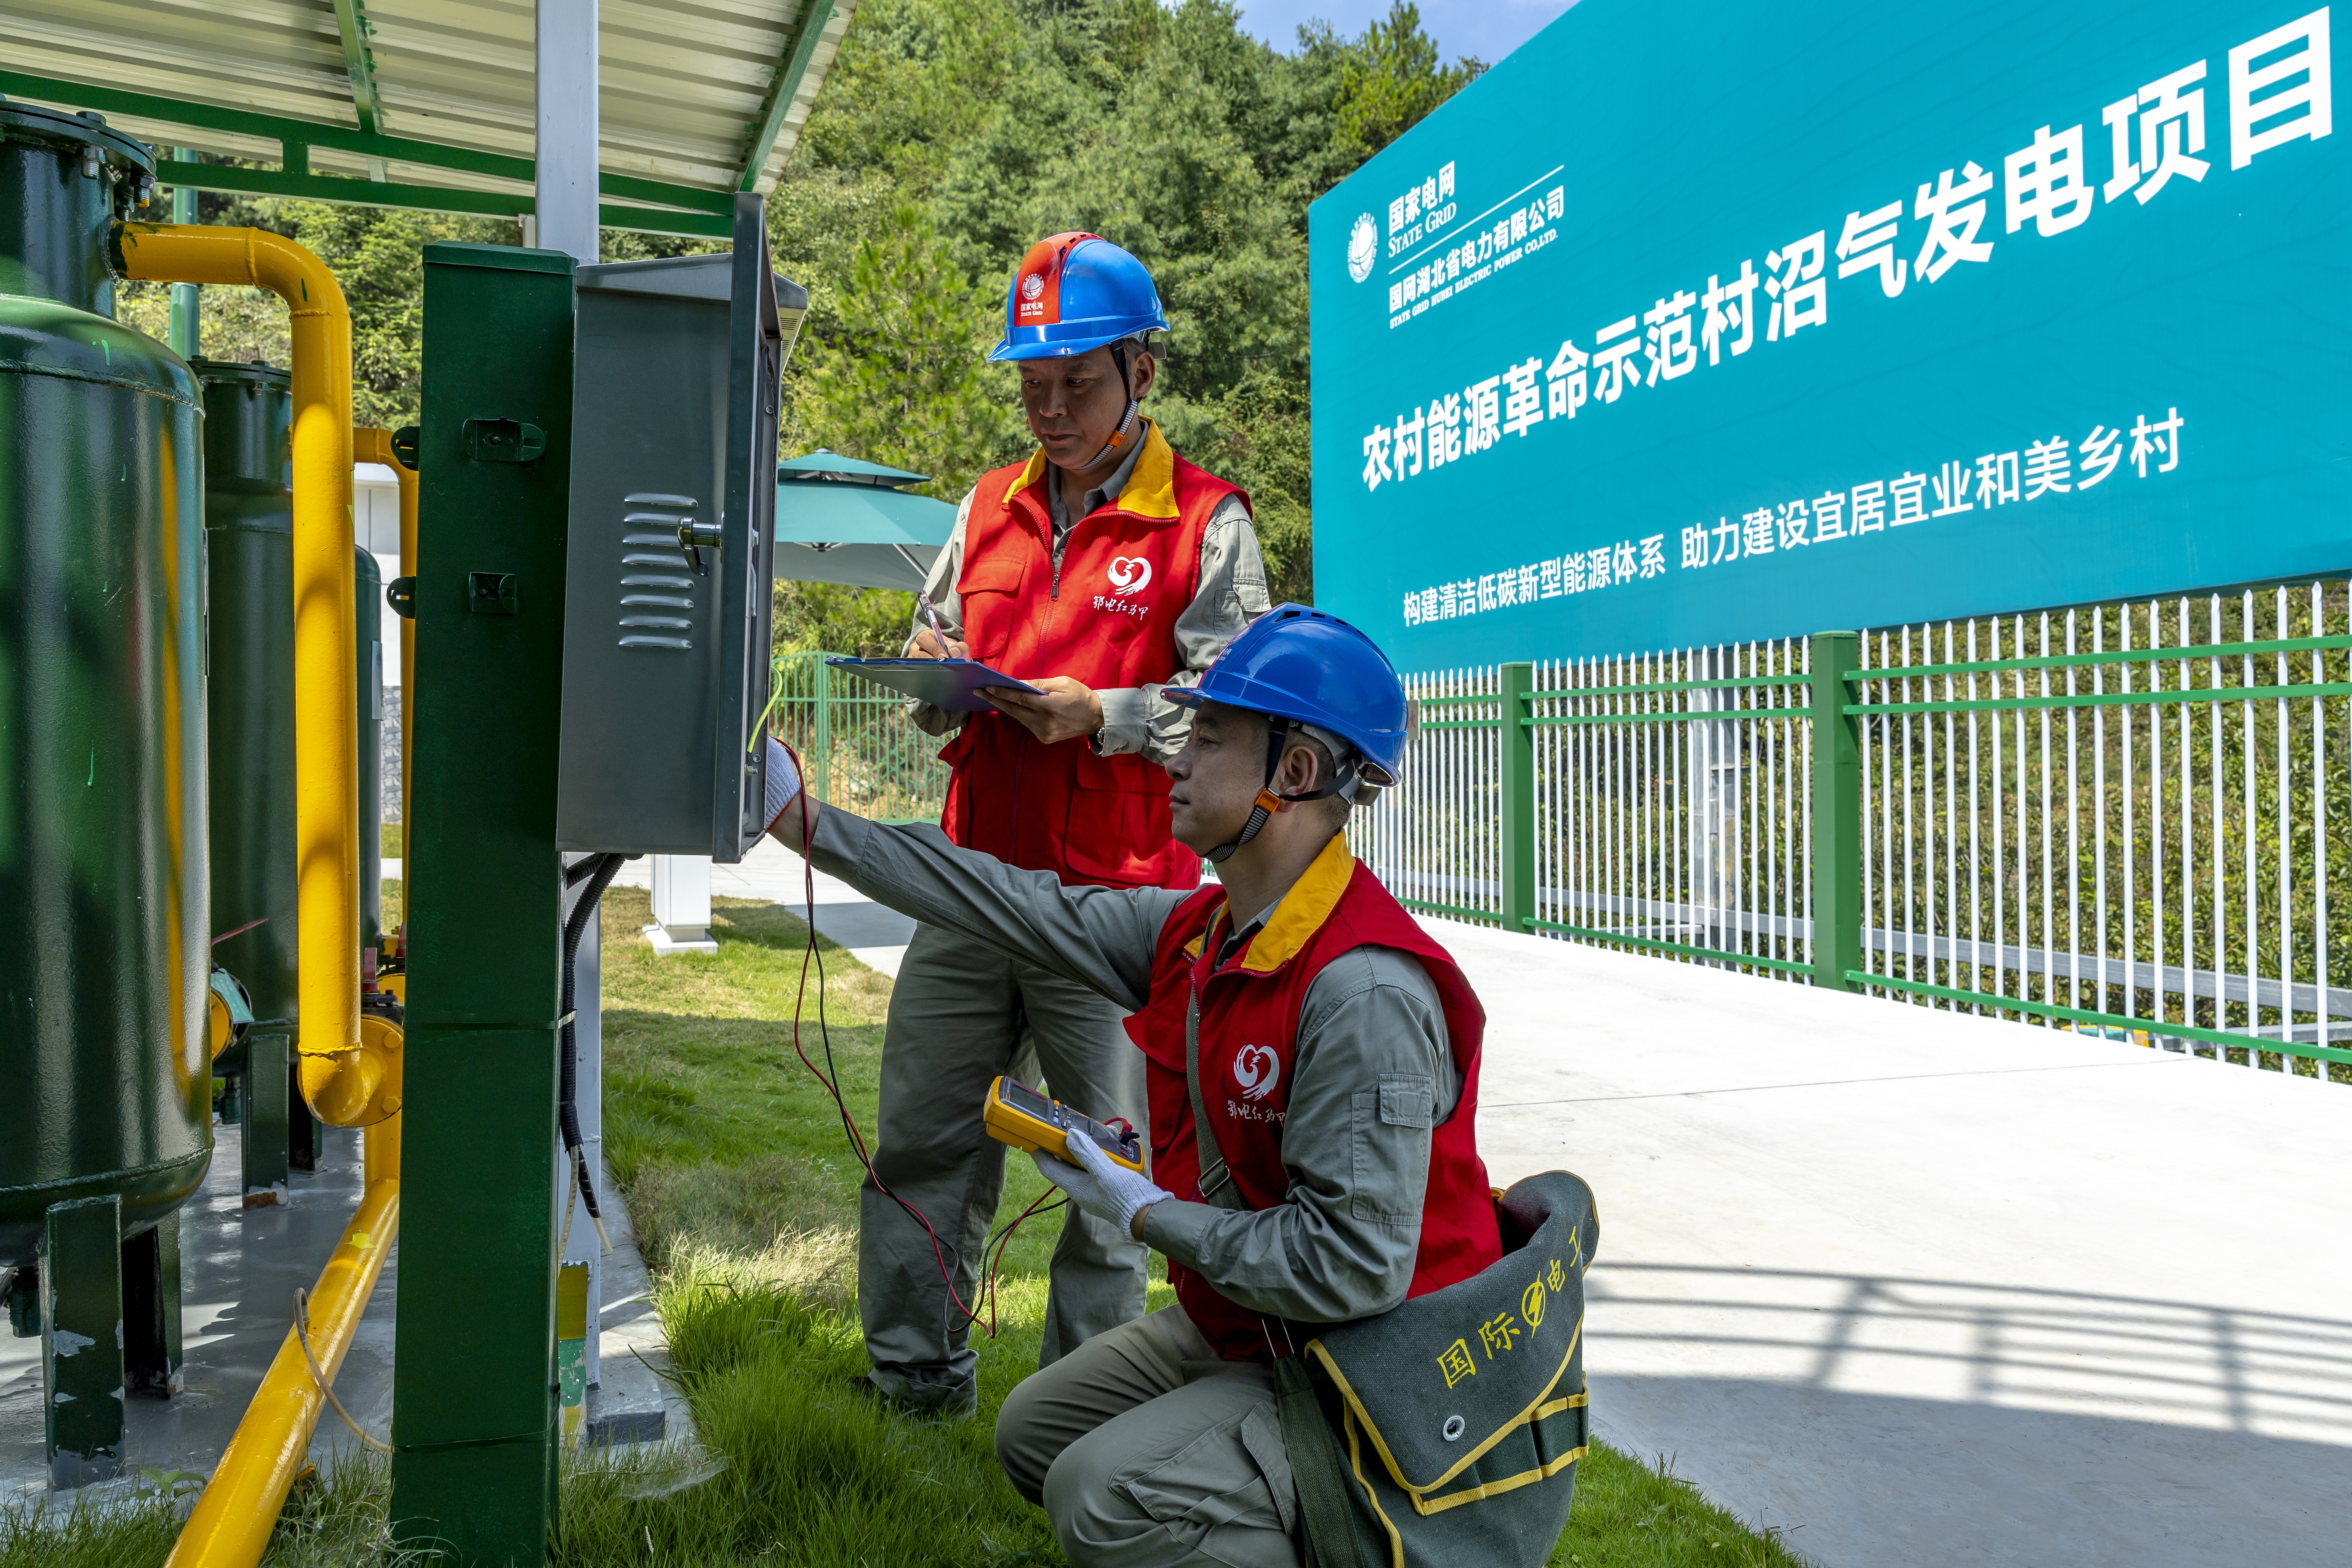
{"x": 899, "y": 375}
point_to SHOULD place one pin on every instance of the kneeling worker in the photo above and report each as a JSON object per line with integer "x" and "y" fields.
{"x": 1312, "y": 1065}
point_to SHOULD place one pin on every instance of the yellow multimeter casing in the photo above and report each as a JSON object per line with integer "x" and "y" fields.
{"x": 1019, "y": 1115}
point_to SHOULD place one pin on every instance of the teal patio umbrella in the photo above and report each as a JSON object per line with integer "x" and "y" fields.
{"x": 839, "y": 520}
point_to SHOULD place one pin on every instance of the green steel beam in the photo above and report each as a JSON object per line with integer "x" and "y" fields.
{"x": 297, "y": 137}
{"x": 784, "y": 89}
{"x": 1835, "y": 831}
{"x": 476, "y": 1434}
{"x": 358, "y": 64}
{"x": 420, "y": 199}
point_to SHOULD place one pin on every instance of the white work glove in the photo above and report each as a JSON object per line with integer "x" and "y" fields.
{"x": 783, "y": 780}
{"x": 1100, "y": 1184}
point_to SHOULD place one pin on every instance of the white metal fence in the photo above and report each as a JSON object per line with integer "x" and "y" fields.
{"x": 2133, "y": 811}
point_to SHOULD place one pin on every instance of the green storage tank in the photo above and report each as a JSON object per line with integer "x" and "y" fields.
{"x": 248, "y": 532}
{"x": 249, "y": 536}
{"x": 105, "y": 1076}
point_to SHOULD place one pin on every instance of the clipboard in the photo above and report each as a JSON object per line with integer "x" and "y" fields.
{"x": 951, "y": 683}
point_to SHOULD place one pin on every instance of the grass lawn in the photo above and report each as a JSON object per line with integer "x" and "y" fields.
{"x": 742, "y": 1184}
{"x": 745, "y": 1192}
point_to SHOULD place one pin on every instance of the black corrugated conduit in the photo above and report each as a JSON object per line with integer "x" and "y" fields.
{"x": 597, "y": 872}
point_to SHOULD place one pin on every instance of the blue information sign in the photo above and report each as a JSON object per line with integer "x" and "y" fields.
{"x": 1691, "y": 323}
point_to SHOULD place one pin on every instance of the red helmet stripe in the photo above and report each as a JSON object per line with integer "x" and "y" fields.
{"x": 1037, "y": 286}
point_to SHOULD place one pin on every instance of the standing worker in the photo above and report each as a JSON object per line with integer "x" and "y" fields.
{"x": 1314, "y": 1181}
{"x": 1102, "y": 570}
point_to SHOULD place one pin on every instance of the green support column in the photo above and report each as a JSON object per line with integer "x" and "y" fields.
{"x": 475, "y": 1429}
{"x": 304, "y": 1137}
{"x": 151, "y": 1308}
{"x": 187, "y": 321}
{"x": 1517, "y": 757}
{"x": 81, "y": 1339}
{"x": 1836, "y": 825}
{"x": 824, "y": 758}
{"x": 268, "y": 1090}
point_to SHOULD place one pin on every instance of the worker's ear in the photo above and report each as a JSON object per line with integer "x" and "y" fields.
{"x": 1302, "y": 766}
{"x": 1146, "y": 370}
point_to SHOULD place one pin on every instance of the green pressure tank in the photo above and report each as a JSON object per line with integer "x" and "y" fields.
{"x": 105, "y": 1077}
{"x": 248, "y": 524}
{"x": 104, "y": 968}
{"x": 248, "y": 544}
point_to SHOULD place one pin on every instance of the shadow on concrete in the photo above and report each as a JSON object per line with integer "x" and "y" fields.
{"x": 1878, "y": 1420}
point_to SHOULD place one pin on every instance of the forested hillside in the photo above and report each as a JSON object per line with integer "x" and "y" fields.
{"x": 950, "y": 134}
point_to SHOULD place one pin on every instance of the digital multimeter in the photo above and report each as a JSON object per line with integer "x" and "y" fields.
{"x": 1019, "y": 1115}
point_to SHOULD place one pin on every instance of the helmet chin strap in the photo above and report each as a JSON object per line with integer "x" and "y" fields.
{"x": 1127, "y": 421}
{"x": 1270, "y": 800}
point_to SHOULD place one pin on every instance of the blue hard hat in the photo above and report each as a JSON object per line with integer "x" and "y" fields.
{"x": 1075, "y": 292}
{"x": 1309, "y": 666}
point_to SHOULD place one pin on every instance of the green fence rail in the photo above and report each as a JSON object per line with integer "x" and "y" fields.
{"x": 2131, "y": 841}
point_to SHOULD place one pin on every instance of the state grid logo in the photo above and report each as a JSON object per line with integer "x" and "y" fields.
{"x": 1033, "y": 286}
{"x": 1252, "y": 1061}
{"x": 1363, "y": 247}
{"x": 1128, "y": 574}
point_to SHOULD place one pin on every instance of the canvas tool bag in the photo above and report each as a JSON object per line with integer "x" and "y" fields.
{"x": 1447, "y": 1430}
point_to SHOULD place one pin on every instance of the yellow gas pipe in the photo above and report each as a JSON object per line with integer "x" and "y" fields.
{"x": 350, "y": 1066}
{"x": 233, "y": 1517}
{"x": 349, "y": 1076}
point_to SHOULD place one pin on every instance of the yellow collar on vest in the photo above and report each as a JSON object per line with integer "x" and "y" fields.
{"x": 1299, "y": 914}
{"x": 1150, "y": 489}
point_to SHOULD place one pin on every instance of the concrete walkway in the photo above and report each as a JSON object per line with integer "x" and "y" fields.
{"x": 1918, "y": 1288}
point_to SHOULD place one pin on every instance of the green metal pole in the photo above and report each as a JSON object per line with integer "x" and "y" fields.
{"x": 1519, "y": 760}
{"x": 187, "y": 322}
{"x": 1836, "y": 826}
{"x": 824, "y": 727}
{"x": 476, "y": 1437}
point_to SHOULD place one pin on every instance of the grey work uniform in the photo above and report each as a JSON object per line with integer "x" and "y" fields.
{"x": 1144, "y": 1448}
{"x": 961, "y": 1012}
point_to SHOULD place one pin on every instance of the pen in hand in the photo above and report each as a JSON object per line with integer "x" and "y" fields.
{"x": 943, "y": 647}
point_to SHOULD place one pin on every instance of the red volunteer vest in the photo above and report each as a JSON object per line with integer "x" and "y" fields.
{"x": 1109, "y": 619}
{"x": 1248, "y": 1037}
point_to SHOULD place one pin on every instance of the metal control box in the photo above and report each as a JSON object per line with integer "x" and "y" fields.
{"x": 665, "y": 643}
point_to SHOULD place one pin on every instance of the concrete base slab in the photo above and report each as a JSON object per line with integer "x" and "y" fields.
{"x": 240, "y": 1268}
{"x": 1928, "y": 1288}
{"x": 666, "y": 942}
{"x": 632, "y": 1400}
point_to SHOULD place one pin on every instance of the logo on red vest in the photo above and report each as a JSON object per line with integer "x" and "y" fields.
{"x": 1128, "y": 574}
{"x": 1257, "y": 1069}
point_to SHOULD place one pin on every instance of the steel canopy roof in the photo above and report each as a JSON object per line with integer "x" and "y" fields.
{"x": 434, "y": 97}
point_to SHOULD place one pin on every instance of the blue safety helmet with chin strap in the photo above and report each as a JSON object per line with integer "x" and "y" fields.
{"x": 1074, "y": 293}
{"x": 1300, "y": 666}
